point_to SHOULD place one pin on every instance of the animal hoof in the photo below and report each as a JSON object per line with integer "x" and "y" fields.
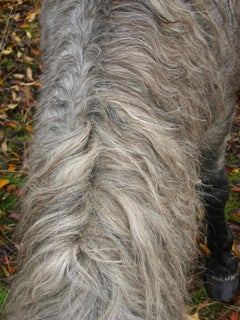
{"x": 222, "y": 277}
{"x": 222, "y": 289}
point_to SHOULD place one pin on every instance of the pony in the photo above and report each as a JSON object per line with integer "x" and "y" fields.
{"x": 135, "y": 110}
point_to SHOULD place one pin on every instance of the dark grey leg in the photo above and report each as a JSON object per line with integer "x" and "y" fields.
{"x": 221, "y": 268}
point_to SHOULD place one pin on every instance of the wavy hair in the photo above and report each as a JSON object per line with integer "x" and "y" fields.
{"x": 134, "y": 92}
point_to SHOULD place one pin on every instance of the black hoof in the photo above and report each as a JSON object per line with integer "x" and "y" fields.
{"x": 222, "y": 278}
{"x": 224, "y": 290}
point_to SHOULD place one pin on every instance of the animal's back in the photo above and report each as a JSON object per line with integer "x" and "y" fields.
{"x": 130, "y": 89}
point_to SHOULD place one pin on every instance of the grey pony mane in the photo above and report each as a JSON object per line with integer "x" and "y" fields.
{"x": 130, "y": 90}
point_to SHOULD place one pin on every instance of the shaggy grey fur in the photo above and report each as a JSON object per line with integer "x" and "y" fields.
{"x": 135, "y": 94}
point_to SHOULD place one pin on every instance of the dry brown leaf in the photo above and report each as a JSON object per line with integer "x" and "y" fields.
{"x": 17, "y": 17}
{"x": 3, "y": 182}
{"x": 15, "y": 38}
{"x": 27, "y": 59}
{"x": 11, "y": 187}
{"x": 12, "y": 106}
{"x": 7, "y": 51}
{"x": 28, "y": 93}
{"x": 29, "y": 128}
{"x": 35, "y": 52}
{"x": 16, "y": 156}
{"x": 24, "y": 26}
{"x": 236, "y": 249}
{"x": 29, "y": 74}
{"x": 205, "y": 248}
{"x": 31, "y": 16}
{"x": 195, "y": 316}
{"x": 3, "y": 114}
{"x": 11, "y": 167}
{"x": 18, "y": 76}
{"x": 7, "y": 274}
{"x": 28, "y": 34}
{"x": 4, "y": 146}
{"x": 19, "y": 54}
{"x": 11, "y": 124}
{"x": 235, "y": 189}
{"x": 37, "y": 84}
{"x": 234, "y": 316}
{"x": 14, "y": 95}
{"x": 15, "y": 87}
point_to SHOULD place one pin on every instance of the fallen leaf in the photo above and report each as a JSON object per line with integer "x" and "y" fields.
{"x": 19, "y": 54}
{"x": 28, "y": 34}
{"x": 18, "y": 193}
{"x": 11, "y": 167}
{"x": 12, "y": 269}
{"x": 205, "y": 248}
{"x": 17, "y": 17}
{"x": 236, "y": 249}
{"x": 8, "y": 6}
{"x": 235, "y": 189}
{"x": 11, "y": 187}
{"x": 27, "y": 59}
{"x": 31, "y": 16}
{"x": 234, "y": 225}
{"x": 16, "y": 156}
{"x": 7, "y": 51}
{"x": 37, "y": 84}
{"x": 15, "y": 87}
{"x": 35, "y": 52}
{"x": 29, "y": 128}
{"x": 11, "y": 124}
{"x": 15, "y": 216}
{"x": 236, "y": 214}
{"x": 37, "y": 10}
{"x": 14, "y": 95}
{"x": 5, "y": 271}
{"x": 29, "y": 74}
{"x": 18, "y": 76}
{"x": 233, "y": 316}
{"x": 195, "y": 316}
{"x": 3, "y": 182}
{"x": 27, "y": 92}
{"x": 4, "y": 146}
{"x": 5, "y": 228}
{"x": 3, "y": 115}
{"x": 12, "y": 106}
{"x": 17, "y": 39}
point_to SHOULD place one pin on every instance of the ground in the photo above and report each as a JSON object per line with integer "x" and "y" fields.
{"x": 20, "y": 69}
